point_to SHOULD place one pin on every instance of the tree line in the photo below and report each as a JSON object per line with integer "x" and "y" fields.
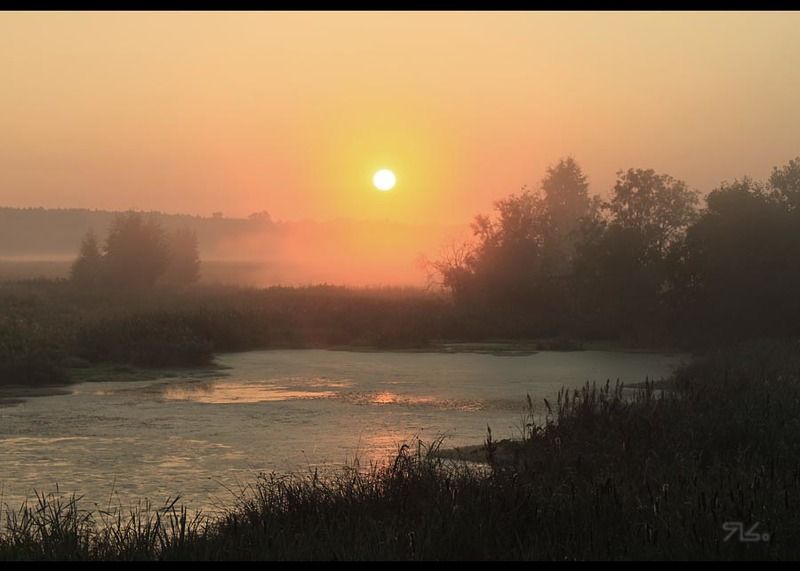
{"x": 652, "y": 263}
{"x": 42, "y": 232}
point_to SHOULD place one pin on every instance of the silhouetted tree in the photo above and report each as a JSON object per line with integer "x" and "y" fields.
{"x": 646, "y": 264}
{"x": 567, "y": 203}
{"x": 87, "y": 269}
{"x": 453, "y": 268}
{"x": 622, "y": 266}
{"x": 656, "y": 206}
{"x": 136, "y": 252}
{"x": 516, "y": 269}
{"x": 183, "y": 267}
{"x": 738, "y": 272}
{"x": 784, "y": 183}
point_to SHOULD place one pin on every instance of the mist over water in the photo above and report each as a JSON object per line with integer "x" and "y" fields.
{"x": 204, "y": 436}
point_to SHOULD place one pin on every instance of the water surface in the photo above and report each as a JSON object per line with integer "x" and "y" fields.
{"x": 203, "y": 437}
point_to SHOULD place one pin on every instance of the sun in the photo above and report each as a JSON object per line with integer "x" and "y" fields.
{"x": 384, "y": 180}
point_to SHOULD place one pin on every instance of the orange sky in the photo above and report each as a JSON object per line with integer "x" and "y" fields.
{"x": 293, "y": 112}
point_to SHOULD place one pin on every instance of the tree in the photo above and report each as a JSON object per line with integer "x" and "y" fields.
{"x": 136, "y": 252}
{"x": 656, "y": 206}
{"x": 518, "y": 265}
{"x": 137, "y": 255}
{"x": 183, "y": 267}
{"x": 738, "y": 272}
{"x": 509, "y": 251}
{"x": 622, "y": 266}
{"x": 87, "y": 269}
{"x": 567, "y": 203}
{"x": 784, "y": 182}
{"x": 453, "y": 268}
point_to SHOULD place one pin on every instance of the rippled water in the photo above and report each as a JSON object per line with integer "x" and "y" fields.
{"x": 203, "y": 437}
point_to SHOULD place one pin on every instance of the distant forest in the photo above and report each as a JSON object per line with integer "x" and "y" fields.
{"x": 256, "y": 250}
{"x": 40, "y": 232}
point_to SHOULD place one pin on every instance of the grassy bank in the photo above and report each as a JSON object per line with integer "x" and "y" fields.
{"x": 48, "y": 328}
{"x": 607, "y": 475}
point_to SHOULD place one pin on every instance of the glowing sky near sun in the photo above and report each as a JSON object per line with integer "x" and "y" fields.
{"x": 294, "y": 112}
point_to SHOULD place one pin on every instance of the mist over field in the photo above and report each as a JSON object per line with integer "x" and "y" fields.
{"x": 253, "y": 251}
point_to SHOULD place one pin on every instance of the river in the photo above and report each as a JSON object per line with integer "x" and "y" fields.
{"x": 205, "y": 436}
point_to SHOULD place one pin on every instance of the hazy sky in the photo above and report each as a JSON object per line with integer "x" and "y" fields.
{"x": 293, "y": 112}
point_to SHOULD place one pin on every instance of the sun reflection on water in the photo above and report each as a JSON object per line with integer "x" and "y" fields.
{"x": 229, "y": 393}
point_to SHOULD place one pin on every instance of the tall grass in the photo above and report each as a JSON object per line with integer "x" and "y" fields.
{"x": 175, "y": 328}
{"x": 28, "y": 354}
{"x": 602, "y": 473}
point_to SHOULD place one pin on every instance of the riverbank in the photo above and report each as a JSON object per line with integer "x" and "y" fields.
{"x": 114, "y": 373}
{"x": 11, "y": 395}
{"x": 75, "y": 369}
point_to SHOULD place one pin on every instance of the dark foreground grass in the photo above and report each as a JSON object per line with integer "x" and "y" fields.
{"x": 605, "y": 475}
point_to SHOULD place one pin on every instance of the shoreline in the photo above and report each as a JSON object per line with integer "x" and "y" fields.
{"x": 11, "y": 395}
